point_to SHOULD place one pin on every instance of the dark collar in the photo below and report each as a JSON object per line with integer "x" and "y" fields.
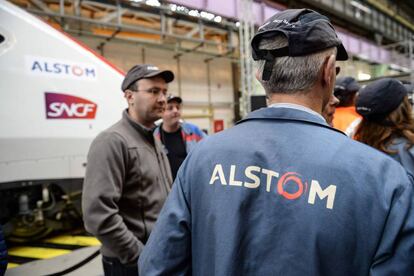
{"x": 144, "y": 131}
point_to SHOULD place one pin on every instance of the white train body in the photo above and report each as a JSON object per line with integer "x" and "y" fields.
{"x": 56, "y": 96}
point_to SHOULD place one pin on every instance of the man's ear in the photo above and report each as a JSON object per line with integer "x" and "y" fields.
{"x": 328, "y": 75}
{"x": 129, "y": 96}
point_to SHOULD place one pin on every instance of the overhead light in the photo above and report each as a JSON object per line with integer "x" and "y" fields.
{"x": 363, "y": 76}
{"x": 217, "y": 19}
{"x": 194, "y": 13}
{"x": 153, "y": 3}
{"x": 173, "y": 7}
{"x": 182, "y": 9}
{"x": 237, "y": 24}
{"x": 363, "y": 56}
{"x": 361, "y": 7}
{"x": 207, "y": 15}
{"x": 399, "y": 68}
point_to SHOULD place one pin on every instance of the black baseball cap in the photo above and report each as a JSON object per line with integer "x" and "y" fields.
{"x": 409, "y": 87}
{"x": 144, "y": 71}
{"x": 307, "y": 32}
{"x": 410, "y": 90}
{"x": 346, "y": 84}
{"x": 172, "y": 98}
{"x": 378, "y": 99}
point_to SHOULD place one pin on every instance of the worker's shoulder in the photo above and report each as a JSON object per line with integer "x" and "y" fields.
{"x": 119, "y": 134}
{"x": 189, "y": 127}
{"x": 372, "y": 163}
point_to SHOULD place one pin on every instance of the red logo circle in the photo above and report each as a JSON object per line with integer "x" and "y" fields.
{"x": 286, "y": 178}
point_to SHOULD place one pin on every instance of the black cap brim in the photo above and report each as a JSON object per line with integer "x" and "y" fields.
{"x": 342, "y": 54}
{"x": 175, "y": 99}
{"x": 409, "y": 88}
{"x": 354, "y": 87}
{"x": 167, "y": 75}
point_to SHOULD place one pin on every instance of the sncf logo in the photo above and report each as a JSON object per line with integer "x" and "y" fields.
{"x": 61, "y": 106}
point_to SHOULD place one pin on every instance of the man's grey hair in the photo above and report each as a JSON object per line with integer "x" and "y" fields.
{"x": 291, "y": 74}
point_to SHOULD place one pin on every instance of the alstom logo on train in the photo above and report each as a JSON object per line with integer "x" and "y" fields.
{"x": 60, "y": 68}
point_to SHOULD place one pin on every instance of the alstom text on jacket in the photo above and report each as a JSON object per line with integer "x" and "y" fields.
{"x": 289, "y": 185}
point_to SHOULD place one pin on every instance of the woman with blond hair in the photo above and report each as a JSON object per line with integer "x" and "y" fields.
{"x": 387, "y": 123}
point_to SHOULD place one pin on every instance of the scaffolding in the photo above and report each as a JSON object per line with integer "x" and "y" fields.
{"x": 158, "y": 26}
{"x": 400, "y": 57}
{"x": 246, "y": 32}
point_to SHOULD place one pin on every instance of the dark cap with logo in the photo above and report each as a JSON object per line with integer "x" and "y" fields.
{"x": 378, "y": 99}
{"x": 145, "y": 71}
{"x": 307, "y": 32}
{"x": 172, "y": 98}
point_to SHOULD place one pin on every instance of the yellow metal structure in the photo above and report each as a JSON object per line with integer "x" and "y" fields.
{"x": 11, "y": 265}
{"x": 74, "y": 240}
{"x": 37, "y": 252}
{"x": 46, "y": 253}
{"x": 391, "y": 13}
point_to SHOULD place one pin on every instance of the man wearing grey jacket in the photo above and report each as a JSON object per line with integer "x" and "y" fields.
{"x": 127, "y": 175}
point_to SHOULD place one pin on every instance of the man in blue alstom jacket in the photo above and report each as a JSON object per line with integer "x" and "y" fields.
{"x": 282, "y": 193}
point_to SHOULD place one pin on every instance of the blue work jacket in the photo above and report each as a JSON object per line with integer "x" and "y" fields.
{"x": 190, "y": 133}
{"x": 282, "y": 193}
{"x": 404, "y": 153}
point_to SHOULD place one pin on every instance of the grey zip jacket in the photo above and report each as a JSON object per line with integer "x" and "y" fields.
{"x": 127, "y": 181}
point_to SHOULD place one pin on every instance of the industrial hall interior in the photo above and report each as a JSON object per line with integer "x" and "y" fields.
{"x": 202, "y": 137}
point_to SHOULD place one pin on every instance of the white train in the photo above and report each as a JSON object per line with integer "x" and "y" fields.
{"x": 56, "y": 96}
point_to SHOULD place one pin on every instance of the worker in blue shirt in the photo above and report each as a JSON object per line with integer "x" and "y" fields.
{"x": 283, "y": 193}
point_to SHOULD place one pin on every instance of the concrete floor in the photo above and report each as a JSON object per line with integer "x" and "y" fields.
{"x": 49, "y": 266}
